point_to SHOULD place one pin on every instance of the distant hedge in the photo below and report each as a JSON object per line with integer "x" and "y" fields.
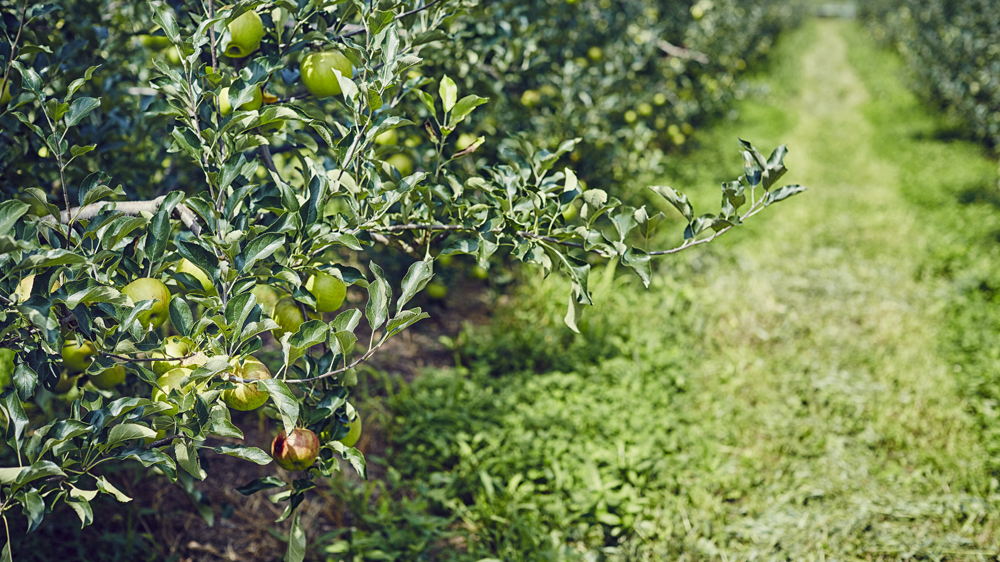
{"x": 953, "y": 49}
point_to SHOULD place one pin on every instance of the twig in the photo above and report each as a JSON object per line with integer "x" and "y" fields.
{"x": 400, "y": 16}
{"x": 145, "y": 360}
{"x": 681, "y": 52}
{"x": 129, "y": 208}
{"x": 162, "y": 442}
{"x": 211, "y": 36}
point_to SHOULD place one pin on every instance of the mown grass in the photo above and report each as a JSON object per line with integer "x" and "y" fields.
{"x": 820, "y": 384}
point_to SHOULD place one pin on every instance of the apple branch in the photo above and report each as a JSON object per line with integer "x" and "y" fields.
{"x": 681, "y": 52}
{"x": 361, "y": 30}
{"x": 129, "y": 208}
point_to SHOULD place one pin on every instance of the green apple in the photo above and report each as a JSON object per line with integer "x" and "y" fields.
{"x": 247, "y": 396}
{"x": 328, "y": 290}
{"x": 266, "y": 298}
{"x": 6, "y": 366}
{"x": 146, "y": 289}
{"x": 225, "y": 108}
{"x": 77, "y": 356}
{"x": 317, "y": 72}
{"x": 155, "y": 42}
{"x": 401, "y": 162}
{"x": 169, "y": 381}
{"x": 245, "y": 33}
{"x": 5, "y": 96}
{"x": 436, "y": 290}
{"x": 66, "y": 383}
{"x": 173, "y": 347}
{"x": 109, "y": 378}
{"x": 464, "y": 141}
{"x": 297, "y": 451}
{"x": 185, "y": 266}
{"x": 480, "y": 273}
{"x": 387, "y": 138}
{"x": 353, "y": 431}
{"x": 289, "y": 317}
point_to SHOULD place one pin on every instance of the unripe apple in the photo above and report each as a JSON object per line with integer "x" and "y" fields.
{"x": 464, "y": 141}
{"x": 109, "y": 378}
{"x": 170, "y": 381}
{"x": 247, "y": 396}
{"x": 185, "y": 266}
{"x": 297, "y": 451}
{"x": 77, "y": 357}
{"x": 266, "y": 298}
{"x": 5, "y": 96}
{"x": 387, "y": 138}
{"x": 146, "y": 289}
{"x": 289, "y": 317}
{"x": 173, "y": 347}
{"x": 353, "y": 432}
{"x": 436, "y": 290}
{"x": 245, "y": 33}
{"x": 225, "y": 108}
{"x": 401, "y": 162}
{"x": 328, "y": 290}
{"x": 66, "y": 383}
{"x": 317, "y": 72}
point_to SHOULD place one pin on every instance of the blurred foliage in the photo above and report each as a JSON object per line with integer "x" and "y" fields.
{"x": 599, "y": 70}
{"x": 953, "y": 51}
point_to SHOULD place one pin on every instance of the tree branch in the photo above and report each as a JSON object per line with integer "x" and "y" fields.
{"x": 681, "y": 52}
{"x": 145, "y": 360}
{"x": 129, "y": 208}
{"x": 400, "y": 16}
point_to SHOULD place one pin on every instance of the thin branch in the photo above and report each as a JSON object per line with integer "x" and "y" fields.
{"x": 90, "y": 211}
{"x": 681, "y": 52}
{"x": 211, "y": 35}
{"x": 162, "y": 442}
{"x": 145, "y": 360}
{"x": 400, "y": 16}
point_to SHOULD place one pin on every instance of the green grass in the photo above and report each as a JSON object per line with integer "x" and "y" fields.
{"x": 819, "y": 384}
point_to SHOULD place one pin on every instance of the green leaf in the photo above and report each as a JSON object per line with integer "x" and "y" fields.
{"x": 404, "y": 320}
{"x": 159, "y": 226}
{"x": 10, "y": 405}
{"x": 463, "y": 108}
{"x": 379, "y": 294}
{"x": 187, "y": 457}
{"x": 783, "y": 193}
{"x": 596, "y": 198}
{"x": 252, "y": 454}
{"x": 126, "y": 432}
{"x": 180, "y": 315}
{"x": 675, "y": 198}
{"x": 75, "y": 84}
{"x": 106, "y": 487}
{"x": 40, "y": 469}
{"x": 34, "y": 509}
{"x": 260, "y": 248}
{"x": 639, "y": 262}
{"x": 284, "y": 401}
{"x": 82, "y": 509}
{"x": 10, "y": 211}
{"x": 416, "y": 279}
{"x": 77, "y": 150}
{"x": 427, "y": 100}
{"x": 448, "y": 92}
{"x": 165, "y": 19}
{"x": 296, "y": 541}
{"x": 80, "y": 108}
{"x": 259, "y": 484}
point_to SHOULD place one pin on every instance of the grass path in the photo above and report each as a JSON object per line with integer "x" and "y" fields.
{"x": 828, "y": 376}
{"x": 791, "y": 392}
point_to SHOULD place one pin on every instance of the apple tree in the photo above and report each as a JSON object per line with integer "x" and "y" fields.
{"x": 140, "y": 275}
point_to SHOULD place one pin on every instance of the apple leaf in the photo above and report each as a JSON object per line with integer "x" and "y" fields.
{"x": 259, "y": 484}
{"x": 80, "y": 108}
{"x": 448, "y": 92}
{"x": 284, "y": 401}
{"x": 252, "y": 454}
